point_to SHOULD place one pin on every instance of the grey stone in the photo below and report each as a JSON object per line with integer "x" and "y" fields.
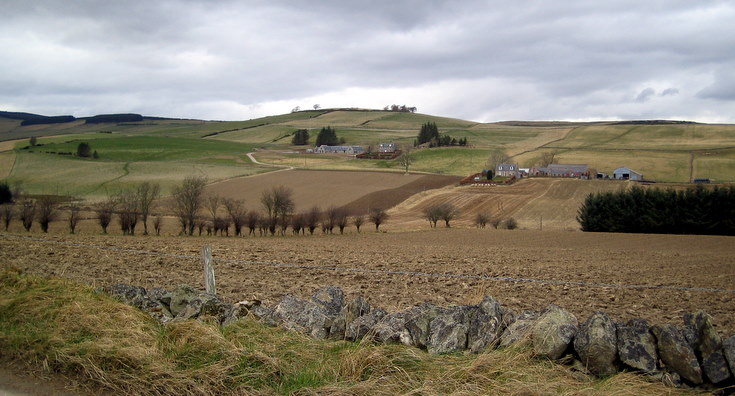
{"x": 264, "y": 314}
{"x": 237, "y": 312}
{"x": 637, "y": 346}
{"x": 728, "y": 349}
{"x": 707, "y": 345}
{"x": 485, "y": 326}
{"x": 394, "y": 328}
{"x": 418, "y": 325}
{"x": 128, "y": 294}
{"x": 180, "y": 298}
{"x": 449, "y": 330}
{"x": 596, "y": 344}
{"x": 676, "y": 353}
{"x": 553, "y": 331}
{"x": 303, "y": 316}
{"x": 191, "y": 310}
{"x": 213, "y": 306}
{"x": 353, "y": 310}
{"x": 519, "y": 328}
{"x": 157, "y": 310}
{"x": 330, "y": 299}
{"x": 362, "y": 326}
{"x": 162, "y": 295}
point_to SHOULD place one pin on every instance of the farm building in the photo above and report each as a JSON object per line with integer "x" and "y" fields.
{"x": 387, "y": 148}
{"x": 562, "y": 170}
{"x": 623, "y": 173}
{"x": 324, "y": 149}
{"x": 506, "y": 170}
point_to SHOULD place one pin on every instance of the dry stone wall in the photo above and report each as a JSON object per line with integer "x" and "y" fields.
{"x": 693, "y": 354}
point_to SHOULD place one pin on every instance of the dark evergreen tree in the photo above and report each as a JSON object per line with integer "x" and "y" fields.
{"x": 697, "y": 210}
{"x": 327, "y": 136}
{"x": 6, "y": 195}
{"x": 84, "y": 150}
{"x": 428, "y": 132}
{"x": 300, "y": 137}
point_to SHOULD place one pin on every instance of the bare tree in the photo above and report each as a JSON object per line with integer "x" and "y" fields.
{"x": 104, "y": 211}
{"x": 158, "y": 224}
{"x": 74, "y": 215}
{"x": 7, "y": 212}
{"x": 253, "y": 219}
{"x": 212, "y": 203}
{"x": 547, "y": 158}
{"x": 406, "y": 159}
{"x": 432, "y": 214}
{"x": 188, "y": 201}
{"x": 146, "y": 194}
{"x": 27, "y": 213}
{"x": 329, "y": 221}
{"x": 127, "y": 212}
{"x": 237, "y": 213}
{"x": 481, "y": 219}
{"x": 495, "y": 222}
{"x": 378, "y": 216}
{"x": 297, "y": 223}
{"x": 342, "y": 220}
{"x": 357, "y": 221}
{"x": 448, "y": 212}
{"x": 498, "y": 156}
{"x": 312, "y": 219}
{"x": 278, "y": 205}
{"x": 47, "y": 211}
{"x": 511, "y": 223}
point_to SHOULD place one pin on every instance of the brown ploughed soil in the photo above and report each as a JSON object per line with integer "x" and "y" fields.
{"x": 357, "y": 190}
{"x": 583, "y": 272}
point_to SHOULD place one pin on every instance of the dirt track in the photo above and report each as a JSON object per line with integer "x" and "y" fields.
{"x": 650, "y": 260}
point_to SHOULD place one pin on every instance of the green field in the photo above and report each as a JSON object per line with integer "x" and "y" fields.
{"x": 168, "y": 150}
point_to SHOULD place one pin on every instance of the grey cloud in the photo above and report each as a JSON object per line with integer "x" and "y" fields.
{"x": 185, "y": 52}
{"x": 645, "y": 95}
{"x": 723, "y": 87}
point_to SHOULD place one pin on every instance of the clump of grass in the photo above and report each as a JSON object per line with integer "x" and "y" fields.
{"x": 70, "y": 328}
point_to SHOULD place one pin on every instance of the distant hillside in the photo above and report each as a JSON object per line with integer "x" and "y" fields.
{"x": 134, "y": 147}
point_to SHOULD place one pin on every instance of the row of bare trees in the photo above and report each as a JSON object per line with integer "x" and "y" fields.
{"x": 448, "y": 212}
{"x": 277, "y": 203}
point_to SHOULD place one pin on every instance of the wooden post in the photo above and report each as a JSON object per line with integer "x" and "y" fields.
{"x": 208, "y": 270}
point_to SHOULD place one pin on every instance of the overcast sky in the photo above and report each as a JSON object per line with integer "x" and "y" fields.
{"x": 476, "y": 60}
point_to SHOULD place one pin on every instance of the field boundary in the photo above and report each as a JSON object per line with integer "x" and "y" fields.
{"x": 381, "y": 272}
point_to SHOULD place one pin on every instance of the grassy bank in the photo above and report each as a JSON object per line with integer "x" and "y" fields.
{"x": 71, "y": 329}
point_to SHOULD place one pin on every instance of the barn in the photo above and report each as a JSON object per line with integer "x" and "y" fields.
{"x": 624, "y": 173}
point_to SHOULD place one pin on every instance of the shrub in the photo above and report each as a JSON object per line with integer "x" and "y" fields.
{"x": 481, "y": 220}
{"x": 511, "y": 224}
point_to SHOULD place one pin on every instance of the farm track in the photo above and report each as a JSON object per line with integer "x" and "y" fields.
{"x": 468, "y": 263}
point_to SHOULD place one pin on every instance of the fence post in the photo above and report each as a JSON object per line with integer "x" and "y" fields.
{"x": 208, "y": 269}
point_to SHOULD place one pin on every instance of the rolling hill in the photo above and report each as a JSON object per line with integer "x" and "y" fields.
{"x": 167, "y": 150}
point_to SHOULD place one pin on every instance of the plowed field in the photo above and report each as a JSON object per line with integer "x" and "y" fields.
{"x": 659, "y": 277}
{"x": 358, "y": 191}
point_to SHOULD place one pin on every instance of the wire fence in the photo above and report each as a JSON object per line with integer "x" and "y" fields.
{"x": 376, "y": 271}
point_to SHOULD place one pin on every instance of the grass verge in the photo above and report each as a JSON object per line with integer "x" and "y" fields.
{"x": 72, "y": 329}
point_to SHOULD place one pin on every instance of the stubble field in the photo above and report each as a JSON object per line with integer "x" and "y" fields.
{"x": 658, "y": 277}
